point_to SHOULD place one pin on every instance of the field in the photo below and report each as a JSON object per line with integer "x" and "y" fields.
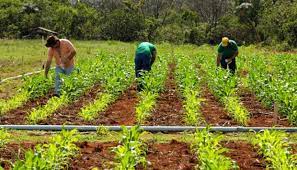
{"x": 183, "y": 88}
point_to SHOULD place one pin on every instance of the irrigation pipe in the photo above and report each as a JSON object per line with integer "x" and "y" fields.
{"x": 21, "y": 76}
{"x": 147, "y": 128}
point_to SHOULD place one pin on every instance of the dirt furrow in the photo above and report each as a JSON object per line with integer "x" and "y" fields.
{"x": 169, "y": 108}
{"x": 213, "y": 112}
{"x": 121, "y": 112}
{"x": 259, "y": 115}
{"x": 168, "y": 156}
{"x": 245, "y": 155}
{"x": 18, "y": 115}
{"x": 69, "y": 114}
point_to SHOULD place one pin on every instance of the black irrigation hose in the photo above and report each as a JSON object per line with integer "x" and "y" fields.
{"x": 147, "y": 128}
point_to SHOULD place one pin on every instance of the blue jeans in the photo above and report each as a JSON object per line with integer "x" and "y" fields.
{"x": 142, "y": 63}
{"x": 58, "y": 81}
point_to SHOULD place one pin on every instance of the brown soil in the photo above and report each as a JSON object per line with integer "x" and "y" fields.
{"x": 93, "y": 154}
{"x": 260, "y": 116}
{"x": 12, "y": 152}
{"x": 167, "y": 156}
{"x": 168, "y": 109}
{"x": 122, "y": 112}
{"x": 294, "y": 148}
{"x": 18, "y": 115}
{"x": 213, "y": 111}
{"x": 69, "y": 113}
{"x": 245, "y": 155}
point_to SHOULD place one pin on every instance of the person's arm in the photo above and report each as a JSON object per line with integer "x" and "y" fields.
{"x": 154, "y": 55}
{"x": 48, "y": 62}
{"x": 72, "y": 51}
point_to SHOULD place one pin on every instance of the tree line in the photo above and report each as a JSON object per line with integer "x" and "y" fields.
{"x": 270, "y": 22}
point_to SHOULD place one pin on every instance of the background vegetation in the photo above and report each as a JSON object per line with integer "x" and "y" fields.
{"x": 270, "y": 22}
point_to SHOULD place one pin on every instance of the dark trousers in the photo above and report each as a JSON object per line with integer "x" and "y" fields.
{"x": 142, "y": 64}
{"x": 231, "y": 66}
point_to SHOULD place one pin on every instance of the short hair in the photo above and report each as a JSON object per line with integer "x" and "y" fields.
{"x": 51, "y": 41}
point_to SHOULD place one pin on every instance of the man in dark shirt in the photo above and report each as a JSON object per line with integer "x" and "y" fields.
{"x": 145, "y": 56}
{"x": 227, "y": 52}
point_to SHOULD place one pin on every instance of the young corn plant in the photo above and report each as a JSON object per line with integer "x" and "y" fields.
{"x": 73, "y": 87}
{"x": 153, "y": 83}
{"x": 116, "y": 79}
{"x": 275, "y": 148}
{"x": 132, "y": 151}
{"x": 210, "y": 153}
{"x": 33, "y": 87}
{"x": 42, "y": 112}
{"x": 274, "y": 81}
{"x": 4, "y": 137}
{"x": 188, "y": 81}
{"x": 224, "y": 86}
{"x": 54, "y": 155}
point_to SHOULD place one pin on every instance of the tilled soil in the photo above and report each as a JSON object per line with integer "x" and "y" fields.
{"x": 12, "y": 152}
{"x": 260, "y": 116}
{"x": 92, "y": 155}
{"x": 69, "y": 114}
{"x": 294, "y": 148}
{"x": 168, "y": 156}
{"x": 122, "y": 111}
{"x": 245, "y": 155}
{"x": 213, "y": 112}
{"x": 18, "y": 116}
{"x": 169, "y": 108}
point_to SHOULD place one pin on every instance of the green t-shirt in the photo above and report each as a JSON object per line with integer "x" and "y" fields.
{"x": 145, "y": 48}
{"x": 228, "y": 51}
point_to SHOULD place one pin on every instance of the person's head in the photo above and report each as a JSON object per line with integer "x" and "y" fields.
{"x": 225, "y": 41}
{"x": 52, "y": 41}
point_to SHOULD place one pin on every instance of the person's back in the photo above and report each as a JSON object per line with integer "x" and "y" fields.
{"x": 64, "y": 49}
{"x": 229, "y": 50}
{"x": 145, "y": 48}
{"x": 145, "y": 56}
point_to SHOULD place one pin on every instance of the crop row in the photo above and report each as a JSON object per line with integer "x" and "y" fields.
{"x": 131, "y": 151}
{"x": 274, "y": 81}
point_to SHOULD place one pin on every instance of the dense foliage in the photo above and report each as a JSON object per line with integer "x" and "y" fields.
{"x": 179, "y": 21}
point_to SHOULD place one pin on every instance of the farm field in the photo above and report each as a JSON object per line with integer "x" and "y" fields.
{"x": 184, "y": 88}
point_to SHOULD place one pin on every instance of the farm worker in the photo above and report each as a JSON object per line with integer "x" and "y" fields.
{"x": 63, "y": 51}
{"x": 144, "y": 58}
{"x": 227, "y": 52}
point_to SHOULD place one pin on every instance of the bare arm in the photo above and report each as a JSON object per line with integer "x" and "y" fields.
{"x": 72, "y": 51}
{"x": 48, "y": 62}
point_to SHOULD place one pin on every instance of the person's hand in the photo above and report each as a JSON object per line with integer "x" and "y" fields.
{"x": 228, "y": 61}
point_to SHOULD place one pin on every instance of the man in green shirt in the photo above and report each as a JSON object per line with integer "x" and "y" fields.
{"x": 144, "y": 58}
{"x": 227, "y": 52}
